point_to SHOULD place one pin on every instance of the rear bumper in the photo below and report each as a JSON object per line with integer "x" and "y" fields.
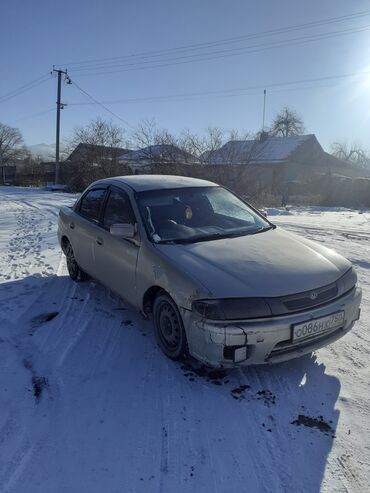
{"x": 261, "y": 341}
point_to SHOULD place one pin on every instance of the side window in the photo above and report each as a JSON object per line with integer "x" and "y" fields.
{"x": 118, "y": 210}
{"x": 91, "y": 203}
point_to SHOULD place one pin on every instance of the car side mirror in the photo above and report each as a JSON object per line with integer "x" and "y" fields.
{"x": 263, "y": 212}
{"x": 123, "y": 230}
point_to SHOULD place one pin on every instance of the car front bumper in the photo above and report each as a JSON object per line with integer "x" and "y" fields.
{"x": 268, "y": 340}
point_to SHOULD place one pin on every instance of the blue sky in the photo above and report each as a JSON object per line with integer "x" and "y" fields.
{"x": 35, "y": 35}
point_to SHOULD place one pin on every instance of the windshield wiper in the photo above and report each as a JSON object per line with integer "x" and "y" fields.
{"x": 262, "y": 230}
{"x": 215, "y": 236}
{"x": 196, "y": 239}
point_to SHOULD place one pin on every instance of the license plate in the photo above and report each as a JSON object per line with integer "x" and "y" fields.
{"x": 313, "y": 328}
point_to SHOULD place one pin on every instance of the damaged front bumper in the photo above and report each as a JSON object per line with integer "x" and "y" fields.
{"x": 268, "y": 340}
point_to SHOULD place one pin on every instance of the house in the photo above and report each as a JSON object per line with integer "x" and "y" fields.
{"x": 263, "y": 150}
{"x": 90, "y": 152}
{"x": 142, "y": 159}
{"x": 290, "y": 167}
{"x": 295, "y": 158}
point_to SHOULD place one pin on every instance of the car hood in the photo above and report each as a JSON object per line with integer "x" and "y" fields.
{"x": 273, "y": 263}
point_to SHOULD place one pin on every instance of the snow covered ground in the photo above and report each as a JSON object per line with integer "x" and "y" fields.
{"x": 88, "y": 403}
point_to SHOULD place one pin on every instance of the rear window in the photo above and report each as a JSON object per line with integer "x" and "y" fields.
{"x": 91, "y": 204}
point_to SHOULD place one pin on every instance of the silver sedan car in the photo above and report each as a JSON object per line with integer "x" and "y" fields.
{"x": 219, "y": 280}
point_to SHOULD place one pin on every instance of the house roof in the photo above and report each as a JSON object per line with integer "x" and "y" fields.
{"x": 271, "y": 149}
{"x": 83, "y": 150}
{"x": 165, "y": 152}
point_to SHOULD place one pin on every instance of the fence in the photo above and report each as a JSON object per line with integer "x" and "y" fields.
{"x": 263, "y": 185}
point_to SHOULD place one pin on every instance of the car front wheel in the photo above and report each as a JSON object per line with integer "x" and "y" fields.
{"x": 169, "y": 328}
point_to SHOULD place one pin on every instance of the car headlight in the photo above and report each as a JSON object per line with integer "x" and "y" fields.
{"x": 347, "y": 281}
{"x": 232, "y": 308}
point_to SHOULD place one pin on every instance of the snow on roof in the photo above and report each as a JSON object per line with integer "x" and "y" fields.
{"x": 160, "y": 151}
{"x": 275, "y": 149}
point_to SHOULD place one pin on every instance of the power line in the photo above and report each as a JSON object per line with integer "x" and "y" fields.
{"x": 243, "y": 49}
{"x": 22, "y": 89}
{"x": 34, "y": 115}
{"x": 232, "y": 91}
{"x": 100, "y": 104}
{"x": 197, "y": 46}
{"x": 134, "y": 66}
{"x": 213, "y": 96}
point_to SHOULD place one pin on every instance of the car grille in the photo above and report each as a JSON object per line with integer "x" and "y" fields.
{"x": 303, "y": 301}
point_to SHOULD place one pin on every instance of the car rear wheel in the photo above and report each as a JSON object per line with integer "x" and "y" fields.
{"x": 74, "y": 270}
{"x": 169, "y": 328}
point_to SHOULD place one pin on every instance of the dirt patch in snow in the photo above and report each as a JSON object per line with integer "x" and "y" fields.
{"x": 38, "y": 385}
{"x": 43, "y": 318}
{"x": 266, "y": 396}
{"x": 310, "y": 422}
{"x": 217, "y": 377}
{"x": 239, "y": 392}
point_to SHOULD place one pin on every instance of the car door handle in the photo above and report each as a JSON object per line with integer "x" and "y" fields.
{"x": 72, "y": 225}
{"x": 99, "y": 241}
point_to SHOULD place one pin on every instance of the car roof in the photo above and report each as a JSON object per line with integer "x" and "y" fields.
{"x": 141, "y": 183}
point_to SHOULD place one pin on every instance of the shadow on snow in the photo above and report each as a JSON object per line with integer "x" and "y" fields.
{"x": 145, "y": 423}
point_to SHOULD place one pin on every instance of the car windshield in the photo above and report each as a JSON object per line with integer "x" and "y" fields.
{"x": 188, "y": 215}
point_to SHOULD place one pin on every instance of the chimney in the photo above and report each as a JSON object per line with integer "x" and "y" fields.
{"x": 263, "y": 136}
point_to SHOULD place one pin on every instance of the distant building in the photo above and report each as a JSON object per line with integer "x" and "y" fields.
{"x": 294, "y": 157}
{"x": 85, "y": 152}
{"x": 142, "y": 159}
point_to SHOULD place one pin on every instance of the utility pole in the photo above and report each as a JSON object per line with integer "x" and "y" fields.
{"x": 60, "y": 106}
{"x": 264, "y": 110}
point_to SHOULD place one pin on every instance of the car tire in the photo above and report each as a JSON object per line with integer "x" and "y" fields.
{"x": 74, "y": 270}
{"x": 169, "y": 329}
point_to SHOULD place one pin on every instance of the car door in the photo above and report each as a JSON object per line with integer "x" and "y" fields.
{"x": 116, "y": 258}
{"x": 85, "y": 228}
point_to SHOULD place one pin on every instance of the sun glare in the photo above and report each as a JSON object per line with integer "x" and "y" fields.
{"x": 361, "y": 89}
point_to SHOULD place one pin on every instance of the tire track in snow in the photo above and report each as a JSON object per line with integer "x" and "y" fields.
{"x": 23, "y": 251}
{"x": 264, "y": 416}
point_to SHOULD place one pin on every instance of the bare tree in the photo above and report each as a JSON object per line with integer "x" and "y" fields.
{"x": 235, "y": 134}
{"x": 201, "y": 145}
{"x": 157, "y": 144}
{"x": 98, "y": 132}
{"x": 192, "y": 143}
{"x": 353, "y": 153}
{"x": 97, "y": 156}
{"x": 12, "y": 146}
{"x": 287, "y": 123}
{"x": 214, "y": 138}
{"x": 218, "y": 140}
{"x": 144, "y": 134}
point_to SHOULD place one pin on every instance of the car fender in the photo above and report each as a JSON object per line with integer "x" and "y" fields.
{"x": 155, "y": 269}
{"x": 64, "y": 218}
